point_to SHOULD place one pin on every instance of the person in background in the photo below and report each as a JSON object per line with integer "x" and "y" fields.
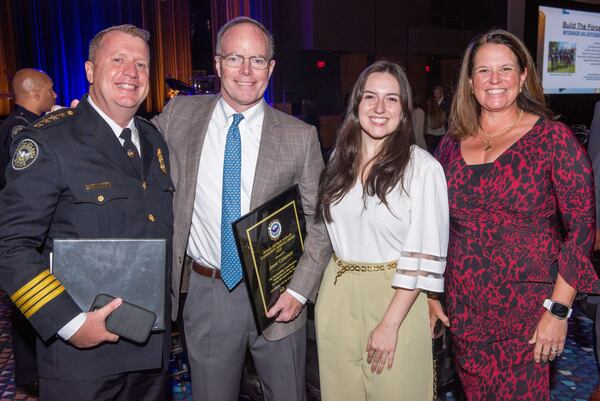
{"x": 441, "y": 99}
{"x": 435, "y": 125}
{"x": 522, "y": 224}
{"x": 594, "y": 153}
{"x": 34, "y": 95}
{"x": 94, "y": 171}
{"x": 231, "y": 153}
{"x": 383, "y": 200}
{"x": 419, "y": 122}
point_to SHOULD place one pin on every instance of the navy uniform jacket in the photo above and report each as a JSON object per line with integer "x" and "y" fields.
{"x": 15, "y": 122}
{"x": 70, "y": 177}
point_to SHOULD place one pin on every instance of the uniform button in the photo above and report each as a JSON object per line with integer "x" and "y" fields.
{"x": 144, "y": 185}
{"x": 100, "y": 198}
{"x": 179, "y": 259}
{"x": 151, "y": 217}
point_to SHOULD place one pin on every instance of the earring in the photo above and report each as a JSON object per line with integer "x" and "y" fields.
{"x": 520, "y": 89}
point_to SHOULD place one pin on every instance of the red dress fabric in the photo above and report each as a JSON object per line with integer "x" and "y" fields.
{"x": 514, "y": 223}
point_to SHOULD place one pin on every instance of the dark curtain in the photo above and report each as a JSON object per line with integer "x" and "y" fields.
{"x": 7, "y": 55}
{"x": 53, "y": 35}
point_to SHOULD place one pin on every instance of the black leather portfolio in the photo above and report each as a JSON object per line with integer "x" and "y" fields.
{"x": 132, "y": 269}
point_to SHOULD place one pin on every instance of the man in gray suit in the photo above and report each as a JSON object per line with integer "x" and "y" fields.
{"x": 270, "y": 151}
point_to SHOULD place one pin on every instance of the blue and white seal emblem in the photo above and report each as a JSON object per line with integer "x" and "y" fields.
{"x": 274, "y": 229}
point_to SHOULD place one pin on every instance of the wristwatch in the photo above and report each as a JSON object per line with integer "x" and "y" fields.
{"x": 558, "y": 310}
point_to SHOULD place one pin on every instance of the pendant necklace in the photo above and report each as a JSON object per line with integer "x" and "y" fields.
{"x": 490, "y": 137}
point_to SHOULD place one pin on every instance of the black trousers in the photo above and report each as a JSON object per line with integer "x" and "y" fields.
{"x": 146, "y": 385}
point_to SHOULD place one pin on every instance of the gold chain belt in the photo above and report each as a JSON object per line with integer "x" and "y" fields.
{"x": 348, "y": 267}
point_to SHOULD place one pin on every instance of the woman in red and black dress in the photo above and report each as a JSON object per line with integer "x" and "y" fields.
{"x": 522, "y": 223}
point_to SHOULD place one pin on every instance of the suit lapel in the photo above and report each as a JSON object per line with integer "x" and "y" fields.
{"x": 196, "y": 135}
{"x": 102, "y": 137}
{"x": 195, "y": 131}
{"x": 266, "y": 165}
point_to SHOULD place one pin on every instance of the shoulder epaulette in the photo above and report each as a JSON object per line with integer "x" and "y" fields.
{"x": 54, "y": 117}
{"x": 142, "y": 119}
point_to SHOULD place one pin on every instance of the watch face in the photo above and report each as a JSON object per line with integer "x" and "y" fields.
{"x": 559, "y": 310}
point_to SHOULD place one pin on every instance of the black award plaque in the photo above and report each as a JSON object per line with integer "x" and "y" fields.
{"x": 270, "y": 241}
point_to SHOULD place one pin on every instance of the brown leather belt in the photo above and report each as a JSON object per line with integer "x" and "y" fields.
{"x": 206, "y": 271}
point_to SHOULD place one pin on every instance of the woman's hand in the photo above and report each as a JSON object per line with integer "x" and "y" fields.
{"x": 436, "y": 312}
{"x": 549, "y": 338}
{"x": 381, "y": 346}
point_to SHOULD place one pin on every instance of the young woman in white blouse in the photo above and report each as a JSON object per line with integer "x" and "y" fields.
{"x": 385, "y": 205}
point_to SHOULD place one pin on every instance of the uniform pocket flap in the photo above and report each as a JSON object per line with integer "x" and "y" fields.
{"x": 99, "y": 193}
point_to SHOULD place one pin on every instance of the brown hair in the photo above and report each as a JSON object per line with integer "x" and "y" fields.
{"x": 126, "y": 28}
{"x": 388, "y": 165}
{"x": 464, "y": 114}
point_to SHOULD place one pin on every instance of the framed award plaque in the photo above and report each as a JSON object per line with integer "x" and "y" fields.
{"x": 270, "y": 241}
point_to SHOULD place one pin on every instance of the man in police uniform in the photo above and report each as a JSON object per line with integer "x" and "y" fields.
{"x": 34, "y": 95}
{"x": 77, "y": 173}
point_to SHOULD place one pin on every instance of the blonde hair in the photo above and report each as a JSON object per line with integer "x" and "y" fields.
{"x": 126, "y": 28}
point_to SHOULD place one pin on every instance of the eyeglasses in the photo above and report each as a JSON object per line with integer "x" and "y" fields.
{"x": 235, "y": 61}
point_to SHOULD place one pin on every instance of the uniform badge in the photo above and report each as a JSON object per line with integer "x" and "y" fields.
{"x": 16, "y": 129}
{"x": 25, "y": 154}
{"x": 161, "y": 161}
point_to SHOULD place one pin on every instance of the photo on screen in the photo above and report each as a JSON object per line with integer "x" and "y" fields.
{"x": 568, "y": 50}
{"x": 561, "y": 57}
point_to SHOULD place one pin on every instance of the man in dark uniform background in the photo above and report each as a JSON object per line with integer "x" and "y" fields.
{"x": 95, "y": 171}
{"x": 34, "y": 95}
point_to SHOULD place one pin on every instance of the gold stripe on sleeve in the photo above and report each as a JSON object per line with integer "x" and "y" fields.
{"x": 34, "y": 290}
{"x": 37, "y": 297}
{"x": 44, "y": 301}
{"x": 33, "y": 282}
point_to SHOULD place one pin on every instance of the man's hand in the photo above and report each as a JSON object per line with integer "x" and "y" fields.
{"x": 597, "y": 244}
{"x": 74, "y": 104}
{"x": 93, "y": 331}
{"x": 286, "y": 308}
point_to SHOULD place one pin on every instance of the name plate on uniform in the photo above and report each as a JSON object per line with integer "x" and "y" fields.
{"x": 132, "y": 269}
{"x": 270, "y": 241}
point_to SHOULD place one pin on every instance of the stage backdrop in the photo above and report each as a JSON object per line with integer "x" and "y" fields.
{"x": 53, "y": 35}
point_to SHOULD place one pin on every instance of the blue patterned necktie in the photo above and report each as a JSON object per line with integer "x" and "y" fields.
{"x": 231, "y": 269}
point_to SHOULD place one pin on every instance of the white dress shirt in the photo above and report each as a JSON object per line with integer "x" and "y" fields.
{"x": 117, "y": 129}
{"x": 417, "y": 223}
{"x": 75, "y": 324}
{"x": 204, "y": 243}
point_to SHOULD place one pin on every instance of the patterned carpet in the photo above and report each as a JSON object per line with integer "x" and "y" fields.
{"x": 574, "y": 374}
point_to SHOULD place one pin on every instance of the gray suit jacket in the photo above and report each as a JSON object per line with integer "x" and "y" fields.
{"x": 289, "y": 154}
{"x": 594, "y": 153}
